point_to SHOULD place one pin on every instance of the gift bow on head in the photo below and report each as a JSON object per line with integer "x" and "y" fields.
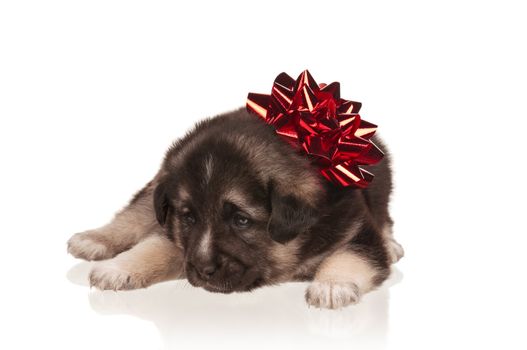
{"x": 324, "y": 125}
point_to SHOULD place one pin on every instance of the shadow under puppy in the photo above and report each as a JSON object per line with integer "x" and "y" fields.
{"x": 233, "y": 208}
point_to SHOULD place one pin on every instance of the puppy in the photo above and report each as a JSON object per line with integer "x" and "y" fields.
{"x": 233, "y": 208}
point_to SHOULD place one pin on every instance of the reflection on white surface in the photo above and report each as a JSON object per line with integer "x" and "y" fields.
{"x": 185, "y": 315}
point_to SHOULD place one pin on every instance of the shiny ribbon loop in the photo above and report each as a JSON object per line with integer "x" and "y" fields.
{"x": 324, "y": 125}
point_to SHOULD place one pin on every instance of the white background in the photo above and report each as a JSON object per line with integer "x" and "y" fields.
{"x": 93, "y": 92}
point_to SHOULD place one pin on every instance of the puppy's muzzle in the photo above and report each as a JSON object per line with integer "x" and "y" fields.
{"x": 205, "y": 270}
{"x": 219, "y": 274}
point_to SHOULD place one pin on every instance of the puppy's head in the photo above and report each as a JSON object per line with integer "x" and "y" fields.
{"x": 238, "y": 214}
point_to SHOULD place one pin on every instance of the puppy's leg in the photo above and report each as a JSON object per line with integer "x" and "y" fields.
{"x": 347, "y": 274}
{"x": 129, "y": 226}
{"x": 154, "y": 259}
{"x": 340, "y": 280}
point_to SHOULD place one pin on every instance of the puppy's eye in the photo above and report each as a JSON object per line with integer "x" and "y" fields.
{"x": 188, "y": 218}
{"x": 241, "y": 221}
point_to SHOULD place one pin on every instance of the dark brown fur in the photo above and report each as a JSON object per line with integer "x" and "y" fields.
{"x": 319, "y": 223}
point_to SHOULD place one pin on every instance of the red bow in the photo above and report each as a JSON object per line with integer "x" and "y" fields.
{"x": 326, "y": 126}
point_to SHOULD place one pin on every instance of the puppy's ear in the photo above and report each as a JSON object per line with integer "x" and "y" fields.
{"x": 289, "y": 217}
{"x": 161, "y": 203}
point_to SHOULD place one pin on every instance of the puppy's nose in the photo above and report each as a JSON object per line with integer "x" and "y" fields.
{"x": 206, "y": 271}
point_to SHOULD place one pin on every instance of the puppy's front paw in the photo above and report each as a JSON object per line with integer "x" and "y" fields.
{"x": 108, "y": 275}
{"x": 332, "y": 295}
{"x": 86, "y": 246}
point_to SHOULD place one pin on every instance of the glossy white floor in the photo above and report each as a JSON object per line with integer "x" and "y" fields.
{"x": 91, "y": 94}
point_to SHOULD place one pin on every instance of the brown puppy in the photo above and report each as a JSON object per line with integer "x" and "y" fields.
{"x": 233, "y": 208}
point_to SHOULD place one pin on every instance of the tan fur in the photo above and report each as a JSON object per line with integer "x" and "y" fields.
{"x": 240, "y": 200}
{"x": 209, "y": 167}
{"x": 340, "y": 280}
{"x": 306, "y": 268}
{"x": 153, "y": 260}
{"x": 332, "y": 295}
{"x": 127, "y": 228}
{"x": 142, "y": 254}
{"x": 88, "y": 246}
{"x": 205, "y": 246}
{"x": 311, "y": 264}
{"x": 284, "y": 256}
{"x": 183, "y": 194}
{"x": 394, "y": 249}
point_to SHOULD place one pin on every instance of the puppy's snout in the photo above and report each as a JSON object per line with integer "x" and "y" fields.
{"x": 205, "y": 269}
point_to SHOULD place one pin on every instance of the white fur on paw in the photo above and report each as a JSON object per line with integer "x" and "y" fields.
{"x": 108, "y": 275}
{"x": 395, "y": 250}
{"x": 332, "y": 295}
{"x": 81, "y": 246}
